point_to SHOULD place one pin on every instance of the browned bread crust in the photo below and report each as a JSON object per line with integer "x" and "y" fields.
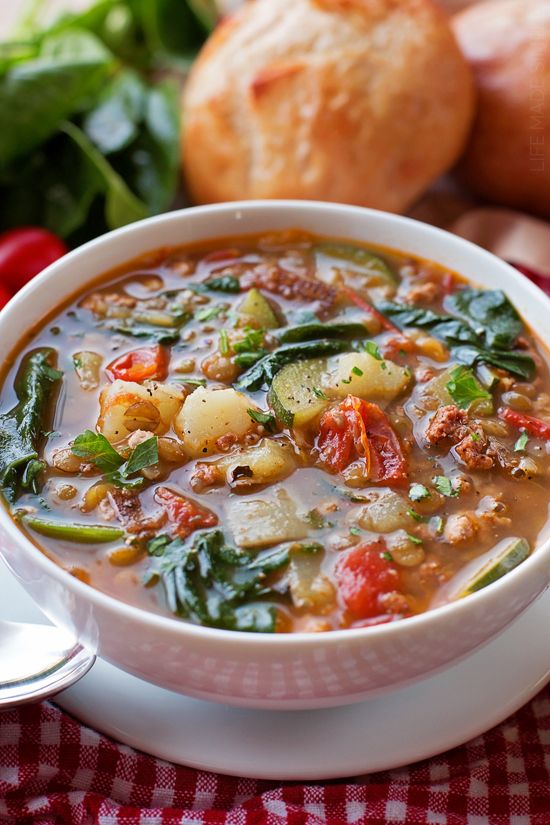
{"x": 359, "y": 101}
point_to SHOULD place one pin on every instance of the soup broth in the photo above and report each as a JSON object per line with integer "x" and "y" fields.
{"x": 280, "y": 433}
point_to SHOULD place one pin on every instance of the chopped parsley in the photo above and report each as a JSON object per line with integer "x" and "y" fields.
{"x": 437, "y": 523}
{"x": 355, "y": 531}
{"x": 250, "y": 348}
{"x": 346, "y": 380}
{"x": 319, "y": 393}
{"x": 208, "y": 313}
{"x": 386, "y": 555}
{"x": 224, "y": 342}
{"x": 95, "y": 448}
{"x": 474, "y": 436}
{"x": 521, "y": 443}
{"x": 414, "y": 515}
{"x": 445, "y": 487}
{"x": 418, "y": 492}
{"x": 264, "y": 418}
{"x": 374, "y": 350}
{"x": 357, "y": 371}
{"x": 414, "y": 539}
{"x": 194, "y": 382}
{"x": 317, "y": 520}
{"x": 464, "y": 388}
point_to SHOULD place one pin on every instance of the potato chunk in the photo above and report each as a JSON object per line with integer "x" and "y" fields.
{"x": 120, "y": 400}
{"x": 386, "y": 512}
{"x": 269, "y": 461}
{"x": 209, "y": 414}
{"x": 365, "y": 376}
{"x": 261, "y": 522}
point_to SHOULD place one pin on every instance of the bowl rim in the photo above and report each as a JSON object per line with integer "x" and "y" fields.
{"x": 87, "y": 593}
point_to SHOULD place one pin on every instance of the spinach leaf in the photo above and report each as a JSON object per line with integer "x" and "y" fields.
{"x": 143, "y": 147}
{"x": 22, "y": 428}
{"x": 315, "y": 331}
{"x": 225, "y": 283}
{"x": 141, "y": 33}
{"x": 37, "y": 95}
{"x": 157, "y": 335}
{"x": 121, "y": 205}
{"x": 214, "y": 584}
{"x": 113, "y": 123}
{"x": 490, "y": 313}
{"x": 516, "y": 362}
{"x": 96, "y": 142}
{"x": 267, "y": 367}
{"x": 469, "y": 346}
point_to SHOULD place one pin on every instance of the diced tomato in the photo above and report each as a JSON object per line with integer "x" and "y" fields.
{"x": 533, "y": 426}
{"x": 5, "y": 295}
{"x": 359, "y": 429}
{"x": 140, "y": 364}
{"x": 26, "y": 251}
{"x": 449, "y": 284}
{"x": 184, "y": 513}
{"x": 363, "y": 574}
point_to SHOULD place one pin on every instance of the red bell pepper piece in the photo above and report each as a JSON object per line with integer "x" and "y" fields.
{"x": 533, "y": 426}
{"x": 140, "y": 364}
{"x": 360, "y": 302}
{"x": 363, "y": 574}
{"x": 184, "y": 513}
{"x": 359, "y": 429}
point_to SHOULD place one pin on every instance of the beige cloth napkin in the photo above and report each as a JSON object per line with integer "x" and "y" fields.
{"x": 510, "y": 235}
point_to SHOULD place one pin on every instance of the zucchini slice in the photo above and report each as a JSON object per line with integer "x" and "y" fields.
{"x": 257, "y": 307}
{"x": 376, "y": 270}
{"x": 511, "y": 556}
{"x": 295, "y": 395}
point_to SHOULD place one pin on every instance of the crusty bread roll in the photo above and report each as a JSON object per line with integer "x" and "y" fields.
{"x": 360, "y": 101}
{"x": 507, "y": 43}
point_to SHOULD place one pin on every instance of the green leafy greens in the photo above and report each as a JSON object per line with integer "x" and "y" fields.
{"x": 484, "y": 333}
{"x": 96, "y": 449}
{"x": 88, "y": 125}
{"x": 23, "y": 427}
{"x": 267, "y": 367}
{"x": 214, "y": 584}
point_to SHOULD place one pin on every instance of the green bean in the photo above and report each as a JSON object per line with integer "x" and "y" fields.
{"x": 82, "y": 533}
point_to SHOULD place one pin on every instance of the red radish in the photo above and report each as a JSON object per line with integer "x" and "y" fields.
{"x": 26, "y": 251}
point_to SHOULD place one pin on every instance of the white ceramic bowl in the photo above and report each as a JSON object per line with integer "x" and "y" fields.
{"x": 280, "y": 671}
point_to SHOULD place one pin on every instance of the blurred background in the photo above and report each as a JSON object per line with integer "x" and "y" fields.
{"x": 113, "y": 110}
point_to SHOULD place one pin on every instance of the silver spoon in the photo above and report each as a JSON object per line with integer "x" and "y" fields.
{"x": 37, "y": 661}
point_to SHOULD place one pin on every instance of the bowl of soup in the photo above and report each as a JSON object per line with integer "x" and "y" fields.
{"x": 277, "y": 454}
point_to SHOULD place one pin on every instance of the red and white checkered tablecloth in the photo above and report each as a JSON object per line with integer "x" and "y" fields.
{"x": 54, "y": 770}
